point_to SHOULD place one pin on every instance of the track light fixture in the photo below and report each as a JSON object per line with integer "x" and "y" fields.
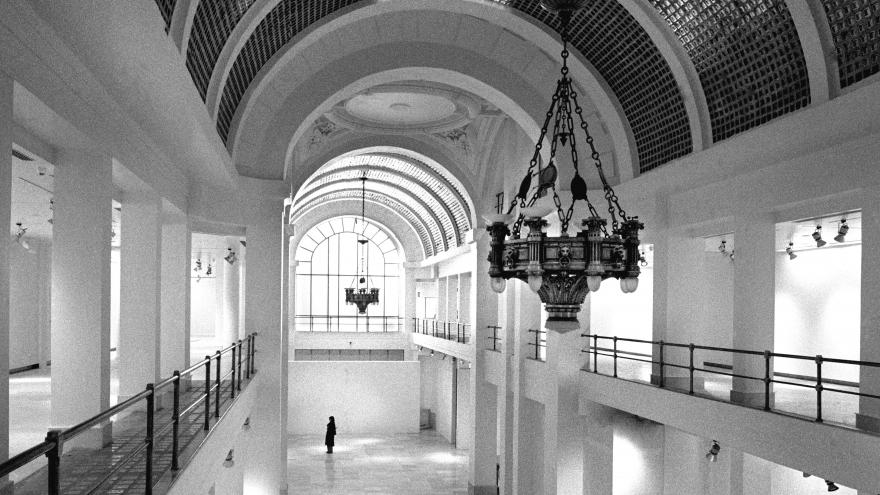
{"x": 643, "y": 261}
{"x": 19, "y": 236}
{"x": 230, "y": 459}
{"x": 722, "y": 248}
{"x": 731, "y": 254}
{"x": 247, "y": 424}
{"x": 210, "y": 270}
{"x": 790, "y": 251}
{"x": 841, "y": 231}
{"x": 712, "y": 455}
{"x": 831, "y": 486}
{"x": 230, "y": 256}
{"x": 817, "y": 236}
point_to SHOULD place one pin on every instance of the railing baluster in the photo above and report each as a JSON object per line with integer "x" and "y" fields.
{"x": 175, "y": 418}
{"x": 595, "y": 354}
{"x": 691, "y": 387}
{"x": 238, "y": 366}
{"x": 217, "y": 392}
{"x": 151, "y": 413}
{"x": 232, "y": 375}
{"x": 53, "y": 458}
{"x": 662, "y": 370}
{"x": 819, "y": 388}
{"x": 247, "y": 359}
{"x": 207, "y": 393}
{"x": 767, "y": 380}
{"x": 615, "y": 356}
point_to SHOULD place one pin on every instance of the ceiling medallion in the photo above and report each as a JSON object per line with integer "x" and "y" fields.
{"x": 561, "y": 270}
{"x": 405, "y": 108}
{"x": 360, "y": 293}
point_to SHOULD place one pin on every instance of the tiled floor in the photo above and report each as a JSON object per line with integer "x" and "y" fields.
{"x": 410, "y": 464}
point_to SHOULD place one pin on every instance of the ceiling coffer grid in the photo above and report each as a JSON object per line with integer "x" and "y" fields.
{"x": 748, "y": 56}
{"x": 855, "y": 26}
{"x": 410, "y": 216}
{"x": 284, "y": 22}
{"x": 626, "y": 58}
{"x": 212, "y": 25}
{"x": 166, "y": 8}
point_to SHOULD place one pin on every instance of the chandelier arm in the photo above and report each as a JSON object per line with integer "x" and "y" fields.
{"x": 610, "y": 195}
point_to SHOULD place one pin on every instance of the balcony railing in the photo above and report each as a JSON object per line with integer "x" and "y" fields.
{"x": 804, "y": 394}
{"x": 347, "y": 323}
{"x": 538, "y": 343}
{"x": 83, "y": 474}
{"x": 494, "y": 338}
{"x": 449, "y": 330}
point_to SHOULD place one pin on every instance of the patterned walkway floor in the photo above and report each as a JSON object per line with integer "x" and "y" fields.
{"x": 405, "y": 464}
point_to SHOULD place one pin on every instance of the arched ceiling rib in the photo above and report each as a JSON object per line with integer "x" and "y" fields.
{"x": 421, "y": 228}
{"x": 424, "y": 196}
{"x": 747, "y": 53}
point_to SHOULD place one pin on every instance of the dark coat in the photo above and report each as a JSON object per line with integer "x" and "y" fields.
{"x": 331, "y": 432}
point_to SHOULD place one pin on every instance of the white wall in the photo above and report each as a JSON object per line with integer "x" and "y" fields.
{"x": 610, "y": 302}
{"x": 204, "y": 309}
{"x": 465, "y": 408}
{"x": 29, "y": 274}
{"x": 363, "y": 396}
{"x": 436, "y": 391}
{"x": 818, "y": 308}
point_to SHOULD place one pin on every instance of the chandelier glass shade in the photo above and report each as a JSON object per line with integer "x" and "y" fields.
{"x": 564, "y": 268}
{"x": 360, "y": 293}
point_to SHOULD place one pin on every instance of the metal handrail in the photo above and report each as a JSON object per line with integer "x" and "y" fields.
{"x": 539, "y": 342}
{"x": 442, "y": 329}
{"x": 55, "y": 439}
{"x": 768, "y": 378}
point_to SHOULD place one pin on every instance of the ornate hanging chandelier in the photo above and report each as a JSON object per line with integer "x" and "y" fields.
{"x": 562, "y": 269}
{"x": 360, "y": 293}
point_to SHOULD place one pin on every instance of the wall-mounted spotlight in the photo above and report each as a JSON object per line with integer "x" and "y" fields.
{"x": 230, "y": 459}
{"x": 198, "y": 265}
{"x": 210, "y": 270}
{"x": 643, "y": 261}
{"x": 831, "y": 486}
{"x": 731, "y": 254}
{"x": 817, "y": 236}
{"x": 230, "y": 256}
{"x": 722, "y": 248}
{"x": 841, "y": 231}
{"x": 712, "y": 455}
{"x": 790, "y": 251}
{"x": 19, "y": 236}
{"x": 247, "y": 424}
{"x": 432, "y": 352}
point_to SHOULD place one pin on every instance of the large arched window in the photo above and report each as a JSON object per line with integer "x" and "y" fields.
{"x": 328, "y": 261}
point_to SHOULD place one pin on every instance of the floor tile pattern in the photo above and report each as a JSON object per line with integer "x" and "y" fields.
{"x": 404, "y": 464}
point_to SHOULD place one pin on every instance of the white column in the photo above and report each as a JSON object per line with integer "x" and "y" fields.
{"x": 175, "y": 294}
{"x": 868, "y": 417}
{"x": 140, "y": 292}
{"x": 266, "y": 471}
{"x": 527, "y": 314}
{"x": 230, "y": 295}
{"x": 564, "y": 358}
{"x": 505, "y": 400}
{"x": 598, "y": 446}
{"x": 638, "y": 456}
{"x": 81, "y": 290}
{"x": 6, "y": 125}
{"x": 754, "y": 276}
{"x": 409, "y": 309}
{"x": 442, "y": 298}
{"x": 481, "y": 303}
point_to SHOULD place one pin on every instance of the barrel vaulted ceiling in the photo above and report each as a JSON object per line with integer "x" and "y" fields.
{"x": 748, "y": 56}
{"x": 431, "y": 201}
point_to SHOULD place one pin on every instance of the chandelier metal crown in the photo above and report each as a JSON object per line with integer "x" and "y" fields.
{"x": 361, "y": 294}
{"x": 563, "y": 269}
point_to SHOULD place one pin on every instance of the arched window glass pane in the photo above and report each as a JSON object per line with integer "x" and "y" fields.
{"x": 329, "y": 260}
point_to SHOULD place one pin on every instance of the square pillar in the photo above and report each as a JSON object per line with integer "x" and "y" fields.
{"x": 526, "y": 414}
{"x": 6, "y": 126}
{"x": 868, "y": 417}
{"x": 481, "y": 303}
{"x": 81, "y": 290}
{"x": 598, "y": 448}
{"x": 140, "y": 292}
{"x": 564, "y": 358}
{"x": 754, "y": 294}
{"x": 175, "y": 293}
{"x": 266, "y": 471}
{"x": 230, "y": 280}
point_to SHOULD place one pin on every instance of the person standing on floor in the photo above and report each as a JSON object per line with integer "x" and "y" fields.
{"x": 331, "y": 432}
